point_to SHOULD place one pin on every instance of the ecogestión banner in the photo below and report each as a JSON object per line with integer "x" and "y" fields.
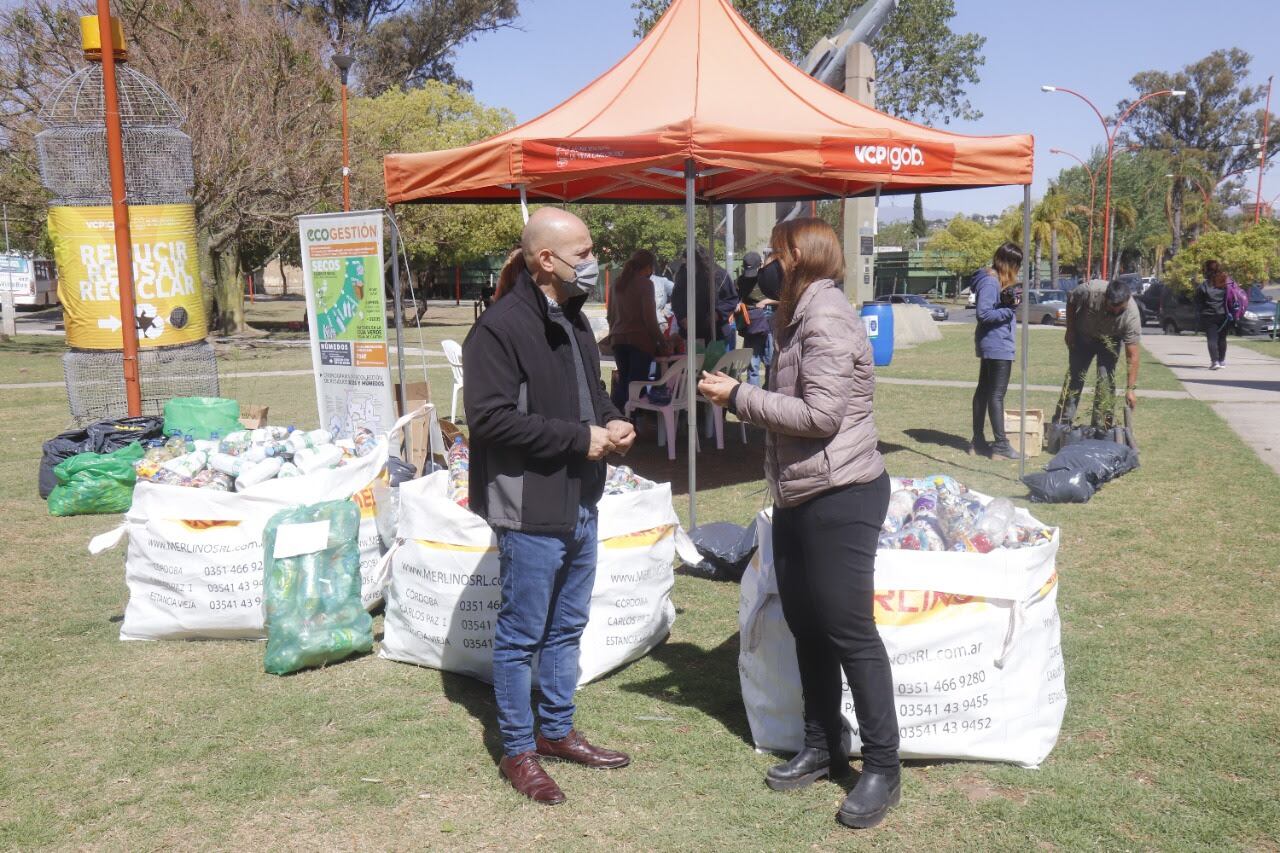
{"x": 347, "y": 316}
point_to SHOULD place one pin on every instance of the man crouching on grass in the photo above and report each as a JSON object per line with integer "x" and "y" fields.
{"x": 541, "y": 426}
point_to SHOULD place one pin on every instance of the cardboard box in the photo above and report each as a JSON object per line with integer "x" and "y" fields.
{"x": 253, "y": 417}
{"x": 416, "y": 395}
{"x": 1034, "y": 439}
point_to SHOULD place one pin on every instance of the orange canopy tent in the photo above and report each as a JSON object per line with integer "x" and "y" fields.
{"x": 704, "y": 110}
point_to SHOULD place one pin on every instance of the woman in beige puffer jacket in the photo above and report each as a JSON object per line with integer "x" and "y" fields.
{"x": 830, "y": 495}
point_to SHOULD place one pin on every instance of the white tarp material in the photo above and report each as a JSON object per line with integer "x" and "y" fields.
{"x": 194, "y": 566}
{"x": 444, "y": 592}
{"x": 974, "y": 641}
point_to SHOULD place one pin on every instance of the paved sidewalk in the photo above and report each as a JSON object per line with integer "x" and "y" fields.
{"x": 1245, "y": 393}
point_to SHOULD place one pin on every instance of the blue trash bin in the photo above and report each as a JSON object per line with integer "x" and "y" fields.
{"x": 878, "y": 318}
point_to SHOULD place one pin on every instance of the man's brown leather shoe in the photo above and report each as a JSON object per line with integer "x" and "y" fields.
{"x": 526, "y": 775}
{"x": 574, "y": 747}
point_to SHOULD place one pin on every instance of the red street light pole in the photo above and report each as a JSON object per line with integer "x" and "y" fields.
{"x": 344, "y": 61}
{"x": 1111, "y": 142}
{"x": 120, "y": 211}
{"x": 1093, "y": 197}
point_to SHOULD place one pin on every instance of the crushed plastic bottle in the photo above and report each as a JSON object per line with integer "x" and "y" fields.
{"x": 309, "y": 460}
{"x": 900, "y": 504}
{"x": 258, "y": 472}
{"x": 459, "y": 459}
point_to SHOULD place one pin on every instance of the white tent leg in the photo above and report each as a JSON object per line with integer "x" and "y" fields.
{"x": 691, "y": 312}
{"x": 1026, "y": 319}
{"x": 524, "y": 203}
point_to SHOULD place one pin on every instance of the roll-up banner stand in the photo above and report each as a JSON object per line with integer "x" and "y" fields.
{"x": 347, "y": 320}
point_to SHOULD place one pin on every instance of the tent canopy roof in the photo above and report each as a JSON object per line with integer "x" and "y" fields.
{"x": 704, "y": 86}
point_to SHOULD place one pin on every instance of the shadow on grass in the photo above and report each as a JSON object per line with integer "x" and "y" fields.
{"x": 477, "y": 698}
{"x": 889, "y": 451}
{"x": 737, "y": 464}
{"x": 700, "y": 679}
{"x": 942, "y": 439}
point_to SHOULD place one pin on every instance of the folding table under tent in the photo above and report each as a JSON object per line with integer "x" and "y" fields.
{"x": 704, "y": 110}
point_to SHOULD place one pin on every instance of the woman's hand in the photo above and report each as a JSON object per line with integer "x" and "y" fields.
{"x": 766, "y": 303}
{"x": 717, "y": 387}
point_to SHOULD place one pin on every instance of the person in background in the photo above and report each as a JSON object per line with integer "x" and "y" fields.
{"x": 996, "y": 303}
{"x": 830, "y": 494}
{"x": 706, "y": 282}
{"x": 662, "y": 287}
{"x": 1101, "y": 316}
{"x": 541, "y": 425}
{"x": 509, "y": 272}
{"x": 1211, "y": 309}
{"x": 633, "y": 324}
{"x": 758, "y": 324}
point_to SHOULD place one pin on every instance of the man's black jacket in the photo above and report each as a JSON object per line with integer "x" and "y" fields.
{"x": 529, "y": 466}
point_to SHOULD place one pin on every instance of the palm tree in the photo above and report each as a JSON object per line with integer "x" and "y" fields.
{"x": 1053, "y": 212}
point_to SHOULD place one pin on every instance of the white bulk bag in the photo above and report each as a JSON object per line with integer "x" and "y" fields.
{"x": 973, "y": 639}
{"x": 444, "y": 592}
{"x": 194, "y": 566}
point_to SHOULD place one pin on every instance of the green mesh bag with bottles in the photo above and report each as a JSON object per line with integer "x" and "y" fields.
{"x": 312, "y": 587}
{"x": 95, "y": 483}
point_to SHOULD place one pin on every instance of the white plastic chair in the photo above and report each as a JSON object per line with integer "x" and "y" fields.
{"x": 673, "y": 378}
{"x": 453, "y": 354}
{"x": 735, "y": 364}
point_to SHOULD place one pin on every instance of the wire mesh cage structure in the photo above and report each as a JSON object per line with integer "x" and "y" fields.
{"x": 73, "y": 146}
{"x": 72, "y": 151}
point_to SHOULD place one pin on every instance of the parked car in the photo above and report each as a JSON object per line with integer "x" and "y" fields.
{"x": 1178, "y": 313}
{"x": 1149, "y": 302}
{"x": 1048, "y": 307}
{"x": 1260, "y": 315}
{"x": 938, "y": 312}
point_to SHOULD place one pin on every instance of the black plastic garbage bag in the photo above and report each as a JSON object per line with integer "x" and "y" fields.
{"x": 400, "y": 471}
{"x": 726, "y": 548}
{"x": 1079, "y": 470}
{"x": 102, "y": 436}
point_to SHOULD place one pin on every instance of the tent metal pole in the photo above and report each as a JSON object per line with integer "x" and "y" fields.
{"x": 711, "y": 261}
{"x": 729, "y": 246}
{"x": 1026, "y": 321}
{"x": 691, "y": 311}
{"x": 524, "y": 203}
{"x": 401, "y": 392}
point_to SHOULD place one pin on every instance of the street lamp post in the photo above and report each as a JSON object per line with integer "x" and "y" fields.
{"x": 344, "y": 61}
{"x": 1262, "y": 157}
{"x": 1110, "y": 133}
{"x": 1093, "y": 197}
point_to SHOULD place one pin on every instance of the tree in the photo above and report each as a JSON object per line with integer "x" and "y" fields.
{"x": 1215, "y": 125}
{"x": 919, "y": 227}
{"x": 897, "y": 234}
{"x": 259, "y": 107}
{"x": 964, "y": 246}
{"x": 620, "y": 229}
{"x": 428, "y": 118}
{"x": 1053, "y": 212}
{"x": 1249, "y": 256}
{"x": 922, "y": 67}
{"x": 401, "y": 43}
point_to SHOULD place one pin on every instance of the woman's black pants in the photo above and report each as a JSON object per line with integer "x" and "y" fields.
{"x": 1215, "y": 332}
{"x": 988, "y": 398}
{"x": 824, "y": 554}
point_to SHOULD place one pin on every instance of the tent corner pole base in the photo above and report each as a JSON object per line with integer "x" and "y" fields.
{"x": 691, "y": 249}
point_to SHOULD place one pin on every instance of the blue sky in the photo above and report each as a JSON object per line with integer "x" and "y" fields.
{"x": 1093, "y": 46}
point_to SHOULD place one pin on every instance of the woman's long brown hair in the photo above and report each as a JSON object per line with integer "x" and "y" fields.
{"x": 641, "y": 259}
{"x": 510, "y": 271}
{"x": 808, "y": 251}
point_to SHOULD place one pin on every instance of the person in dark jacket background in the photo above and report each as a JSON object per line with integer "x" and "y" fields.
{"x": 993, "y": 344}
{"x": 1211, "y": 310}
{"x": 706, "y": 282}
{"x": 541, "y": 426}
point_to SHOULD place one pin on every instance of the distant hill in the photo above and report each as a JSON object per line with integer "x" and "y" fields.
{"x": 899, "y": 213}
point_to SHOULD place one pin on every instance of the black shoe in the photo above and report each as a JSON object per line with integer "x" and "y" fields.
{"x": 979, "y": 447}
{"x": 808, "y": 766}
{"x": 1004, "y": 450}
{"x": 873, "y": 796}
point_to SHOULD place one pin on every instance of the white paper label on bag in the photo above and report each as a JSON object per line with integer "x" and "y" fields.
{"x": 293, "y": 540}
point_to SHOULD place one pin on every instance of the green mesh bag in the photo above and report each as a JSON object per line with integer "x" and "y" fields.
{"x": 312, "y": 597}
{"x": 95, "y": 483}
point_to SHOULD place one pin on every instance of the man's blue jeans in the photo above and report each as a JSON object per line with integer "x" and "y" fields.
{"x": 546, "y": 598}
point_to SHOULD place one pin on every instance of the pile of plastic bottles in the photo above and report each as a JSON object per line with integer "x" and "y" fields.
{"x": 622, "y": 480}
{"x": 940, "y": 514}
{"x": 246, "y": 458}
{"x": 459, "y": 459}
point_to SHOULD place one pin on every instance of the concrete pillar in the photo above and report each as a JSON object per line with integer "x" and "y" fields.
{"x": 760, "y": 219}
{"x": 859, "y": 213}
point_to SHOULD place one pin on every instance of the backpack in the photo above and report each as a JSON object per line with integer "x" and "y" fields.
{"x": 1236, "y": 300}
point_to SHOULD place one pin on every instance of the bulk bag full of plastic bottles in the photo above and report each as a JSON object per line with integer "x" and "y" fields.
{"x": 312, "y": 587}
{"x": 973, "y": 638}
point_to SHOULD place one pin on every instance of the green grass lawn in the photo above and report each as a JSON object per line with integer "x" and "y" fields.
{"x": 953, "y": 358}
{"x": 1259, "y": 345}
{"x": 1170, "y": 640}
